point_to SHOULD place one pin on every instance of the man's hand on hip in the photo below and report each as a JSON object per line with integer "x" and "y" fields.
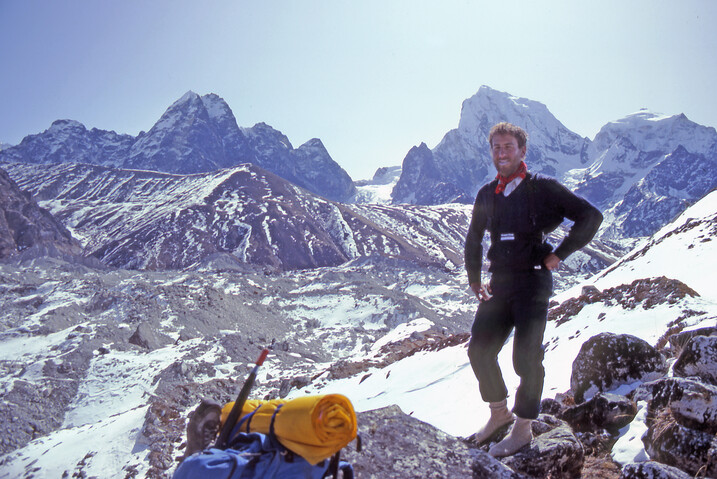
{"x": 551, "y": 262}
{"x": 482, "y": 291}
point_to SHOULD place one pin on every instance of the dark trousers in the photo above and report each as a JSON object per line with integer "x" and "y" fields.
{"x": 520, "y": 302}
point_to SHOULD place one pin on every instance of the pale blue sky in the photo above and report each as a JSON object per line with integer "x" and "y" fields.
{"x": 369, "y": 78}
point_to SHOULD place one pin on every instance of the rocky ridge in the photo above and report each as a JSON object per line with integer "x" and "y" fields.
{"x": 196, "y": 134}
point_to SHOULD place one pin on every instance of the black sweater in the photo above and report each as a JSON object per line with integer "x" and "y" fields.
{"x": 521, "y": 225}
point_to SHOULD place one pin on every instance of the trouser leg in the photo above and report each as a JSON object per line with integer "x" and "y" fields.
{"x": 530, "y": 319}
{"x": 490, "y": 331}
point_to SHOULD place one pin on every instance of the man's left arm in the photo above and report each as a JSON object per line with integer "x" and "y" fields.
{"x": 586, "y": 218}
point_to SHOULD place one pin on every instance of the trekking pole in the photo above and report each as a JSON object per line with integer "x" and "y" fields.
{"x": 239, "y": 403}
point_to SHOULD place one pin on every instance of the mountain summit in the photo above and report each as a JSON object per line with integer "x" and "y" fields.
{"x": 197, "y": 134}
{"x": 455, "y": 169}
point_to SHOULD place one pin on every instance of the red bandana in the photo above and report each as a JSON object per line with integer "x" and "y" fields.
{"x": 503, "y": 181}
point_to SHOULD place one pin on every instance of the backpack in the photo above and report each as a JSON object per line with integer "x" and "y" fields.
{"x": 258, "y": 456}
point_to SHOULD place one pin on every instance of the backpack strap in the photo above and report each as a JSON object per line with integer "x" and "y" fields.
{"x": 273, "y": 418}
{"x": 337, "y": 464}
{"x": 288, "y": 454}
{"x": 246, "y": 418}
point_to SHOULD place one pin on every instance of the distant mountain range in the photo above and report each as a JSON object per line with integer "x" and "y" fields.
{"x": 643, "y": 169}
{"x": 195, "y": 135}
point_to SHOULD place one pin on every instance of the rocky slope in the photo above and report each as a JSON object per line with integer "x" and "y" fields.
{"x": 28, "y": 230}
{"x": 196, "y": 134}
{"x": 242, "y": 215}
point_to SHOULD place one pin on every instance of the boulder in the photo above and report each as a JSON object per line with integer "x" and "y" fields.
{"x": 146, "y": 337}
{"x": 698, "y": 358}
{"x": 398, "y": 445}
{"x": 652, "y": 470}
{"x": 604, "y": 411}
{"x": 690, "y": 450}
{"x": 679, "y": 340}
{"x": 607, "y": 361}
{"x": 556, "y": 453}
{"x": 486, "y": 466}
{"x": 692, "y": 403}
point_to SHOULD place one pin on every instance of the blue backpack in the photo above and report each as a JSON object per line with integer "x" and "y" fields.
{"x": 257, "y": 456}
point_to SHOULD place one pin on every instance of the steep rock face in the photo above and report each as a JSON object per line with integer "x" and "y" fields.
{"x": 422, "y": 182}
{"x": 196, "y": 134}
{"x": 668, "y": 189}
{"x": 25, "y": 226}
{"x": 184, "y": 140}
{"x": 461, "y": 163}
{"x": 316, "y": 171}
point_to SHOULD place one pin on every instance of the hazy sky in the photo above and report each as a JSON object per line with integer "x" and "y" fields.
{"x": 369, "y": 78}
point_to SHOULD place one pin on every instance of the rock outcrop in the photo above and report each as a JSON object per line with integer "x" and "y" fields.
{"x": 28, "y": 230}
{"x": 607, "y": 361}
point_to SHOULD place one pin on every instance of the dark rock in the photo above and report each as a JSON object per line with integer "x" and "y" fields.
{"x": 607, "y": 361}
{"x": 485, "y": 466}
{"x": 27, "y": 228}
{"x": 698, "y": 358}
{"x": 694, "y": 404}
{"x": 688, "y": 449}
{"x": 603, "y": 411}
{"x": 652, "y": 470}
{"x": 295, "y": 383}
{"x": 147, "y": 337}
{"x": 679, "y": 340}
{"x": 397, "y": 445}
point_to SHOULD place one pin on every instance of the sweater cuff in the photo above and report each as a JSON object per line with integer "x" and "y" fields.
{"x": 562, "y": 253}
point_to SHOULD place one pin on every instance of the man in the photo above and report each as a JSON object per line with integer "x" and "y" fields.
{"x": 518, "y": 209}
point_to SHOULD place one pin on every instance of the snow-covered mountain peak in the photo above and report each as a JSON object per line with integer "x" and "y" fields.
{"x": 262, "y": 130}
{"x": 314, "y": 144}
{"x": 651, "y": 131}
{"x": 66, "y": 125}
{"x": 488, "y": 107}
{"x": 187, "y": 97}
{"x": 216, "y": 107}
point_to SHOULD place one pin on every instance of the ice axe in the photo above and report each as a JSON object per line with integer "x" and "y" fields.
{"x": 239, "y": 403}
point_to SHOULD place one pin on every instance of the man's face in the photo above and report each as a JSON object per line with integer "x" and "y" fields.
{"x": 506, "y": 154}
